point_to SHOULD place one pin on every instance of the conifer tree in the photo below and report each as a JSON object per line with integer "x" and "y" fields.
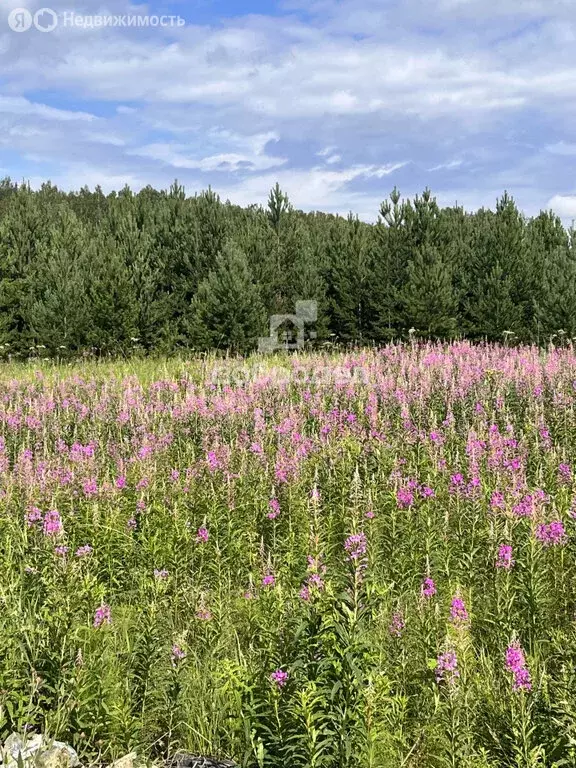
{"x": 227, "y": 311}
{"x": 56, "y": 306}
{"x": 23, "y": 233}
{"x": 278, "y": 207}
{"x": 350, "y": 279}
{"x": 555, "y": 304}
{"x": 429, "y": 301}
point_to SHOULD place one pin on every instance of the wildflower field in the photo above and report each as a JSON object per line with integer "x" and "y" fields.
{"x": 316, "y": 561}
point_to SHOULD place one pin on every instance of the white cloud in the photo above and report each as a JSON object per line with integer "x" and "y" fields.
{"x": 18, "y": 105}
{"x": 446, "y": 166}
{"x": 373, "y": 83}
{"x": 563, "y": 205}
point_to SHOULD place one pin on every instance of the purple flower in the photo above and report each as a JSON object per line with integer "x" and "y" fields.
{"x": 61, "y": 551}
{"x": 103, "y": 615}
{"x": 565, "y": 474}
{"x": 458, "y": 612}
{"x": 268, "y": 580}
{"x": 177, "y": 655}
{"x": 52, "y": 523}
{"x": 33, "y": 516}
{"x": 356, "y": 546}
{"x": 447, "y": 667}
{"x": 397, "y": 624}
{"x": 202, "y": 535}
{"x": 160, "y": 574}
{"x": 497, "y": 500}
{"x": 84, "y": 550}
{"x": 428, "y": 588}
{"x": 90, "y": 487}
{"x": 279, "y": 677}
{"x": 551, "y": 534}
{"x": 505, "y": 557}
{"x": 274, "y": 505}
{"x": 404, "y": 498}
{"x": 516, "y": 663}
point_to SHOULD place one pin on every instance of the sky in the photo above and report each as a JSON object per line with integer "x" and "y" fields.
{"x": 337, "y": 100}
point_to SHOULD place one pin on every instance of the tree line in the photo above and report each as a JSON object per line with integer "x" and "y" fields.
{"x": 160, "y": 271}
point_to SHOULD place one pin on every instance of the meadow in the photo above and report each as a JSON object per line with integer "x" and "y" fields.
{"x": 317, "y": 561}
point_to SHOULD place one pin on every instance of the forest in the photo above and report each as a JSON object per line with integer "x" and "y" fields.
{"x": 163, "y": 272}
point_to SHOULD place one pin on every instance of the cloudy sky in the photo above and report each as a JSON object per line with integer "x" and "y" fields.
{"x": 338, "y": 100}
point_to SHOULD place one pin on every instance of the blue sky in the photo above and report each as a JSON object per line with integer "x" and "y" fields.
{"x": 338, "y": 100}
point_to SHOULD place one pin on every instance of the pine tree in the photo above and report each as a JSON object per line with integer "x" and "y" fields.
{"x": 555, "y": 304}
{"x": 56, "y": 307}
{"x": 23, "y": 232}
{"x": 429, "y": 301}
{"x": 350, "y": 279}
{"x": 112, "y": 299}
{"x": 391, "y": 254}
{"x": 492, "y": 310}
{"x": 227, "y": 311}
{"x": 278, "y": 207}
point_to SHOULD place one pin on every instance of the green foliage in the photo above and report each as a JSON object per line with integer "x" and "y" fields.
{"x": 227, "y": 312}
{"x": 90, "y": 273}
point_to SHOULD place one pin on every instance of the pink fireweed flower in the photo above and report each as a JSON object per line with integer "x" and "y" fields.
{"x": 428, "y": 588}
{"x": 268, "y": 580}
{"x": 203, "y": 614}
{"x": 505, "y": 557}
{"x": 90, "y": 487}
{"x": 279, "y": 677}
{"x": 356, "y": 545}
{"x": 177, "y": 655}
{"x": 397, "y": 624}
{"x": 564, "y": 474}
{"x": 369, "y": 515}
{"x": 202, "y": 535}
{"x": 213, "y": 461}
{"x": 83, "y": 551}
{"x": 551, "y": 534}
{"x": 52, "y": 523}
{"x": 120, "y": 482}
{"x": 404, "y": 498}
{"x": 447, "y": 667}
{"x": 497, "y": 500}
{"x": 525, "y": 506}
{"x": 33, "y": 516}
{"x": 305, "y": 594}
{"x": 102, "y": 616}
{"x": 426, "y": 492}
{"x": 61, "y": 551}
{"x": 516, "y": 663}
{"x": 458, "y": 612}
{"x": 274, "y": 505}
{"x": 131, "y": 524}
